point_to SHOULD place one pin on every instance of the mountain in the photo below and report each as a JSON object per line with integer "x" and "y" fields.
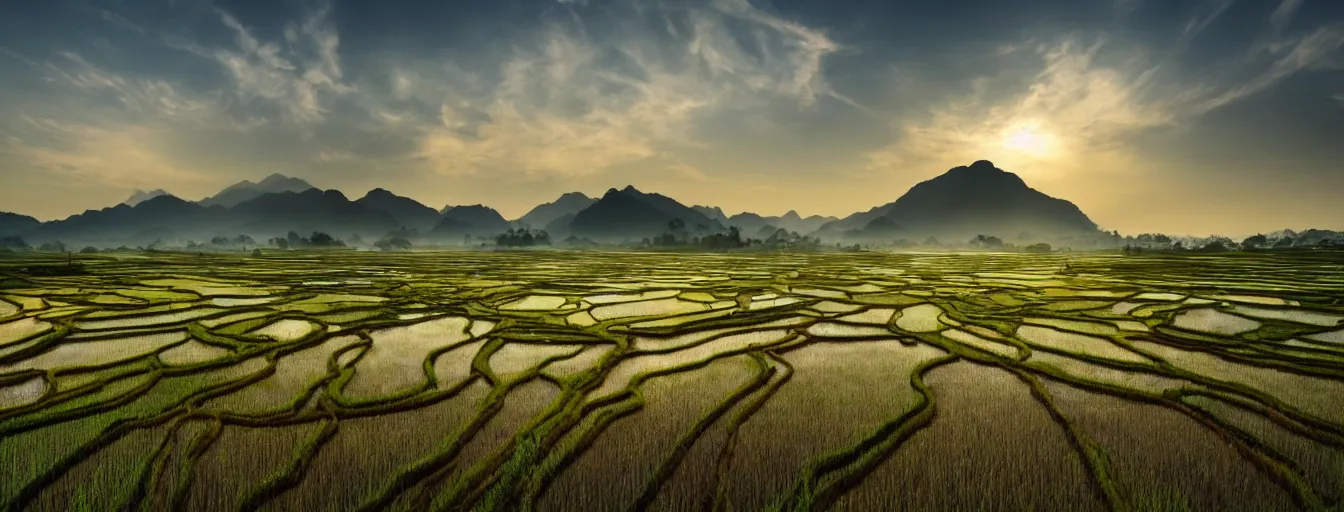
{"x": 311, "y": 210}
{"x": 13, "y": 224}
{"x": 794, "y": 222}
{"x": 963, "y": 202}
{"x": 171, "y": 220}
{"x": 559, "y": 228}
{"x": 713, "y": 212}
{"x": 162, "y": 217}
{"x": 407, "y": 212}
{"x": 141, "y": 196}
{"x": 475, "y": 220}
{"x": 750, "y": 222}
{"x": 246, "y": 190}
{"x": 544, "y": 214}
{"x": 629, "y": 214}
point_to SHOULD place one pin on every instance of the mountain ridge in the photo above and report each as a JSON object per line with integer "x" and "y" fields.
{"x": 140, "y": 196}
{"x": 965, "y": 201}
{"x": 970, "y": 200}
{"x": 246, "y": 190}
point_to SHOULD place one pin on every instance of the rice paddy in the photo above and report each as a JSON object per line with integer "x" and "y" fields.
{"x": 642, "y": 381}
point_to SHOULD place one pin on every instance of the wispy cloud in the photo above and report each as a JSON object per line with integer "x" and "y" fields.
{"x": 1199, "y": 23}
{"x": 122, "y": 157}
{"x": 1073, "y": 106}
{"x": 1314, "y": 51}
{"x": 1283, "y": 14}
{"x": 1082, "y": 108}
{"x": 120, "y": 21}
{"x": 150, "y": 97}
{"x": 293, "y": 76}
{"x": 577, "y": 103}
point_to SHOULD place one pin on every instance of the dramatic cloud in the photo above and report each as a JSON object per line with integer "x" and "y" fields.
{"x": 292, "y": 75}
{"x": 576, "y": 104}
{"x": 747, "y": 104}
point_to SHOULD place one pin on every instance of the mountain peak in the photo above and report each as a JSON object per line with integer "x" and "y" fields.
{"x": 792, "y": 215}
{"x": 630, "y": 189}
{"x": 141, "y": 196}
{"x": 981, "y": 174}
{"x": 246, "y": 190}
{"x": 975, "y": 199}
{"x": 274, "y": 178}
{"x": 569, "y": 204}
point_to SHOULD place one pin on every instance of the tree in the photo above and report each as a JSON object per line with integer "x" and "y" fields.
{"x": 987, "y": 242}
{"x": 14, "y": 242}
{"x": 1041, "y": 248}
{"x": 1254, "y": 242}
{"x": 320, "y": 239}
{"x": 676, "y": 224}
{"x": 89, "y": 250}
{"x": 55, "y": 246}
{"x": 1214, "y": 246}
{"x": 294, "y": 239}
{"x": 522, "y": 237}
{"x": 393, "y": 242}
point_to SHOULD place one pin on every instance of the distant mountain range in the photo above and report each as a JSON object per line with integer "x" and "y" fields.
{"x": 962, "y": 203}
{"x": 246, "y": 191}
{"x": 629, "y": 214}
{"x": 567, "y": 205}
{"x": 12, "y": 224}
{"x": 473, "y": 220}
{"x": 405, "y": 212}
{"x": 141, "y": 196}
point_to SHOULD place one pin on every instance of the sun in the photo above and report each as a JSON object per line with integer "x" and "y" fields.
{"x": 1029, "y": 139}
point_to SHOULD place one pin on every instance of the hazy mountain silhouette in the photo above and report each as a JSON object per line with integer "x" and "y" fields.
{"x": 141, "y": 196}
{"x": 713, "y": 212}
{"x": 750, "y": 222}
{"x": 170, "y": 219}
{"x": 544, "y": 214}
{"x": 631, "y": 214}
{"x": 966, "y": 201}
{"x": 142, "y": 224}
{"x": 559, "y": 228}
{"x": 246, "y": 190}
{"x": 311, "y": 210}
{"x": 12, "y": 224}
{"x": 475, "y": 220}
{"x": 406, "y": 212}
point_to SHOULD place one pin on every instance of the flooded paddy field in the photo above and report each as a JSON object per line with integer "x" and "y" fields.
{"x": 464, "y": 381}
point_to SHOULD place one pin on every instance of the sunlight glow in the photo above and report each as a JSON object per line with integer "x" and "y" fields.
{"x": 1029, "y": 139}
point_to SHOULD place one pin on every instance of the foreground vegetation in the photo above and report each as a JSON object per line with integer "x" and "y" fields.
{"x": 617, "y": 381}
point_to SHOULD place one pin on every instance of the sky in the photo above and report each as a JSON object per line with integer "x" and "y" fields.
{"x": 1174, "y": 116}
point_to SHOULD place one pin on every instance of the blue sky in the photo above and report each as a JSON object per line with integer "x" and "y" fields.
{"x": 1182, "y": 116}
